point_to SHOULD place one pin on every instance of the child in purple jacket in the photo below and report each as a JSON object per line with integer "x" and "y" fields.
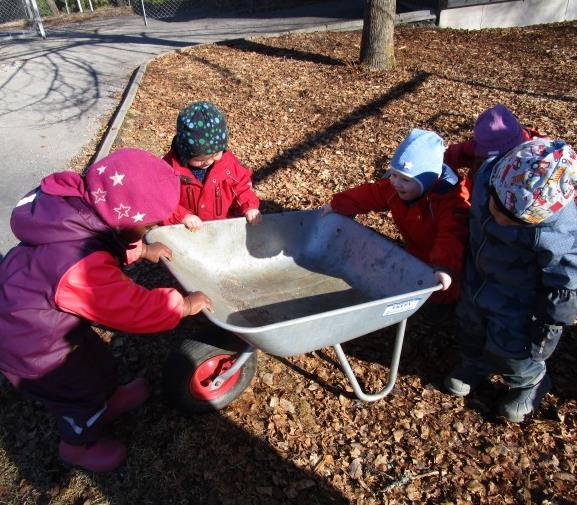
{"x": 66, "y": 274}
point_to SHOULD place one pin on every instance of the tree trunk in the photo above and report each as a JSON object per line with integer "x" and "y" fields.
{"x": 377, "y": 45}
{"x": 54, "y": 10}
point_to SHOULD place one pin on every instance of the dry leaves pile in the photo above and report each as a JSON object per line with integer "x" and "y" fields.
{"x": 310, "y": 122}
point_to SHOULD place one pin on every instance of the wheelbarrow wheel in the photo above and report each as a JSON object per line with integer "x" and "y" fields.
{"x": 190, "y": 369}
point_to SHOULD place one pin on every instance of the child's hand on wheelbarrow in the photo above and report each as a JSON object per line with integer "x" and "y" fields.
{"x": 153, "y": 252}
{"x": 253, "y": 216}
{"x": 326, "y": 209}
{"x": 192, "y": 222}
{"x": 444, "y": 278}
{"x": 195, "y": 302}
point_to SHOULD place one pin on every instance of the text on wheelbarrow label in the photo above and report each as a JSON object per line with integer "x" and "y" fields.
{"x": 395, "y": 308}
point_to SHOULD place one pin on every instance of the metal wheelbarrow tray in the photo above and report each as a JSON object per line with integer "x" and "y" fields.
{"x": 298, "y": 282}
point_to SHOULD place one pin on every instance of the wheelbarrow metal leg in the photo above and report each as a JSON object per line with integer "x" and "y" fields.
{"x": 241, "y": 359}
{"x": 361, "y": 395}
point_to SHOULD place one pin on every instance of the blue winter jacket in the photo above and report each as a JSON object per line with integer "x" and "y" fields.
{"x": 521, "y": 279}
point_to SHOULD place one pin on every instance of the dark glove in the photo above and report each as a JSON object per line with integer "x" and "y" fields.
{"x": 544, "y": 339}
{"x": 557, "y": 306}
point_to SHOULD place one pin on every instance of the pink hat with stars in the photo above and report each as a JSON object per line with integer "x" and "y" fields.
{"x": 132, "y": 187}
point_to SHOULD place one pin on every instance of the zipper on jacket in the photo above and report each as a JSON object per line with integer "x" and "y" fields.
{"x": 217, "y": 199}
{"x": 477, "y": 259}
{"x": 191, "y": 201}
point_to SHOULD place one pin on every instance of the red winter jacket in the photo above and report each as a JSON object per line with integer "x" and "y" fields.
{"x": 462, "y": 155}
{"x": 226, "y": 192}
{"x": 434, "y": 228}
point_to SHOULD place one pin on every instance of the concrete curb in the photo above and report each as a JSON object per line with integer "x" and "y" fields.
{"x": 8, "y": 36}
{"x": 118, "y": 118}
{"x": 338, "y": 26}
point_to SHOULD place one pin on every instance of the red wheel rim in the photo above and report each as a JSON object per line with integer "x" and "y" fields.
{"x": 207, "y": 371}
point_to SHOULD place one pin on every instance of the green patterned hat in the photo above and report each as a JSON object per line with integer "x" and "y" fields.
{"x": 200, "y": 130}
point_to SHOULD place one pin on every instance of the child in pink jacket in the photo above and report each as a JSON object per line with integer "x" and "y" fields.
{"x": 66, "y": 274}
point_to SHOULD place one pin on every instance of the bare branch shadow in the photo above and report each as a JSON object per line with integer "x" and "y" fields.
{"x": 62, "y": 82}
{"x": 327, "y": 135}
{"x": 533, "y": 94}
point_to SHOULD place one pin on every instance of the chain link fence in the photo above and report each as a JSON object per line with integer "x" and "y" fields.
{"x": 162, "y": 9}
{"x": 30, "y": 16}
{"x": 51, "y": 8}
{"x": 23, "y": 17}
{"x": 20, "y": 17}
{"x": 11, "y": 11}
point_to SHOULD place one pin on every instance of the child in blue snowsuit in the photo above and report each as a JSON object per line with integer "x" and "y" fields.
{"x": 520, "y": 283}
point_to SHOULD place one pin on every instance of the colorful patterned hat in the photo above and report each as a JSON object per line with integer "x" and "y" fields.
{"x": 420, "y": 157}
{"x": 200, "y": 130}
{"x": 496, "y": 131}
{"x": 536, "y": 179}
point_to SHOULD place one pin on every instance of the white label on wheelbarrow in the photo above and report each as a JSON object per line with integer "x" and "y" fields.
{"x": 395, "y": 308}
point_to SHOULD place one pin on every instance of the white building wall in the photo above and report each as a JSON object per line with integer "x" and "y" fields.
{"x": 508, "y": 14}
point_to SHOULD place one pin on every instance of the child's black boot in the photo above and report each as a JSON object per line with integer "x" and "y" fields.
{"x": 465, "y": 378}
{"x": 520, "y": 402}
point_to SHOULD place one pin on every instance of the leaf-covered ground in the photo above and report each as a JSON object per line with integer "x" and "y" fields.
{"x": 309, "y": 121}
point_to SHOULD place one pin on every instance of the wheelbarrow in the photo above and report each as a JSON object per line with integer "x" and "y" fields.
{"x": 295, "y": 283}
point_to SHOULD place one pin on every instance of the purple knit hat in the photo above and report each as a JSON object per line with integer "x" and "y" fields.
{"x": 496, "y": 131}
{"x": 128, "y": 188}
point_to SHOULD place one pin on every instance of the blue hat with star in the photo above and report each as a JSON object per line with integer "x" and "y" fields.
{"x": 420, "y": 157}
{"x": 200, "y": 130}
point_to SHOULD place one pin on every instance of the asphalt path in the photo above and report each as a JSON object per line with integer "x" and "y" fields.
{"x": 56, "y": 94}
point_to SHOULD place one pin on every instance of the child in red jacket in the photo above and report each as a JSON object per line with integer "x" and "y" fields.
{"x": 214, "y": 185}
{"x": 496, "y": 131}
{"x": 429, "y": 205}
{"x": 65, "y": 275}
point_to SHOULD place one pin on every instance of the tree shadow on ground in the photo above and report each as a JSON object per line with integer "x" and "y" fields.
{"x": 330, "y": 133}
{"x": 250, "y": 46}
{"x": 171, "y": 459}
{"x": 525, "y": 92}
